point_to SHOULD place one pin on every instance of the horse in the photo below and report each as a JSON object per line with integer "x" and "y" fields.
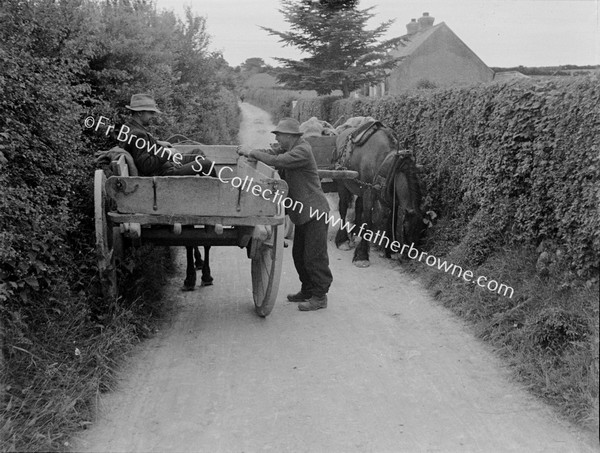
{"x": 398, "y": 205}
{"x": 385, "y": 177}
{"x": 194, "y": 259}
{"x": 365, "y": 157}
{"x": 195, "y": 262}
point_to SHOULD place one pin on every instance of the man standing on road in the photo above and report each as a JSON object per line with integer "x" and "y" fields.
{"x": 295, "y": 161}
{"x": 150, "y": 155}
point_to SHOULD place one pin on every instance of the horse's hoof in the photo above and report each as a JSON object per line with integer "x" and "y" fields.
{"x": 362, "y": 263}
{"x": 345, "y": 246}
{"x": 188, "y": 288}
{"x": 210, "y": 283}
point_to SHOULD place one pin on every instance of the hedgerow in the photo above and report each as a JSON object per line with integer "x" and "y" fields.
{"x": 278, "y": 102}
{"x": 319, "y": 107}
{"x": 64, "y": 61}
{"x": 519, "y": 161}
{"x": 512, "y": 172}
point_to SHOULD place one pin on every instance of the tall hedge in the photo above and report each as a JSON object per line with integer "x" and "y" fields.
{"x": 319, "y": 107}
{"x": 64, "y": 61}
{"x": 278, "y": 102}
{"x": 507, "y": 163}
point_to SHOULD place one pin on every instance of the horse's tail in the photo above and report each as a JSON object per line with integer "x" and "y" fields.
{"x": 406, "y": 196}
{"x": 405, "y": 163}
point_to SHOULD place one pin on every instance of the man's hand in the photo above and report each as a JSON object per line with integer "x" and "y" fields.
{"x": 245, "y": 151}
{"x": 164, "y": 144}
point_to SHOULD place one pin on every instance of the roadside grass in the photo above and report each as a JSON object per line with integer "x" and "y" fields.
{"x": 52, "y": 380}
{"x": 547, "y": 332}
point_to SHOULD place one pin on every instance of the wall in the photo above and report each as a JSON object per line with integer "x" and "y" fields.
{"x": 442, "y": 59}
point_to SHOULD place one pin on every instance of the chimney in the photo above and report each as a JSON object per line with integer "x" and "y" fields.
{"x": 412, "y": 27}
{"x": 425, "y": 22}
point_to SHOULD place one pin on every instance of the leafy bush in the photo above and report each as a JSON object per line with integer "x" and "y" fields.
{"x": 525, "y": 155}
{"x": 512, "y": 171}
{"x": 279, "y": 103}
{"x": 62, "y": 62}
{"x": 318, "y": 107}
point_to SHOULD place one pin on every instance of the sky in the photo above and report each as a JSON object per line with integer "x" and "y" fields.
{"x": 503, "y": 33}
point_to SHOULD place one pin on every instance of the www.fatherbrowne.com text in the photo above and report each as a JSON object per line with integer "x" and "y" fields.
{"x": 379, "y": 238}
{"x": 248, "y": 185}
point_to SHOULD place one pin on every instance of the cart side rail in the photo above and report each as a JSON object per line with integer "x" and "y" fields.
{"x": 254, "y": 190}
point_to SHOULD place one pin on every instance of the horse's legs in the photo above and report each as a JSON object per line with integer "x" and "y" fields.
{"x": 408, "y": 220}
{"x": 358, "y": 211}
{"x": 207, "y": 279}
{"x": 190, "y": 272}
{"x": 364, "y": 209}
{"x": 198, "y": 258}
{"x": 345, "y": 196}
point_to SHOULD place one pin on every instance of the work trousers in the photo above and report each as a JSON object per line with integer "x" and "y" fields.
{"x": 310, "y": 257}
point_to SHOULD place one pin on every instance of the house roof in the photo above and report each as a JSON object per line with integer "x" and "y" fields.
{"x": 414, "y": 41}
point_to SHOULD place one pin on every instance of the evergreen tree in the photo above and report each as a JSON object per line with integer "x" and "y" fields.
{"x": 343, "y": 54}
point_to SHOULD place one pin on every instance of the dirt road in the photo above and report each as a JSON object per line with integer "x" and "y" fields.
{"x": 383, "y": 369}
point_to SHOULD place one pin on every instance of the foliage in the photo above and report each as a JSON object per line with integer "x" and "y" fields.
{"x": 563, "y": 70}
{"x": 319, "y": 107}
{"x": 344, "y": 55}
{"x": 513, "y": 171}
{"x": 254, "y": 65}
{"x": 548, "y": 333}
{"x": 279, "y": 103}
{"x": 62, "y": 62}
{"x": 530, "y": 151}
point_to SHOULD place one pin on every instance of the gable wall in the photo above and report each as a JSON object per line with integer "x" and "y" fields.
{"x": 442, "y": 59}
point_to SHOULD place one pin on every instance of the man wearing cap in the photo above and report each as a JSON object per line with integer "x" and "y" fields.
{"x": 296, "y": 163}
{"x": 148, "y": 154}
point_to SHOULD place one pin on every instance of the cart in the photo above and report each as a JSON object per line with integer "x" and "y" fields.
{"x": 239, "y": 208}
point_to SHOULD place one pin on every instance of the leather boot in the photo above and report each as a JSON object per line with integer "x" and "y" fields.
{"x": 314, "y": 303}
{"x": 298, "y": 297}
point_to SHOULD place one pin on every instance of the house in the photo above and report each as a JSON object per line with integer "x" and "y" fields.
{"x": 509, "y": 76}
{"x": 432, "y": 56}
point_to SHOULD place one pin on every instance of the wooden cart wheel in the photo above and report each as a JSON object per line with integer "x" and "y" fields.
{"x": 104, "y": 238}
{"x": 266, "y": 267}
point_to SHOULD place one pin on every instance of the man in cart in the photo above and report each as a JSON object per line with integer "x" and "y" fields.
{"x": 153, "y": 157}
{"x": 294, "y": 159}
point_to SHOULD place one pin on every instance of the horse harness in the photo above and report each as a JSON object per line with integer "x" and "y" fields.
{"x": 357, "y": 137}
{"x": 383, "y": 180}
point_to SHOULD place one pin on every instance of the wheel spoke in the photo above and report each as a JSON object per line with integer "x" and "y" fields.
{"x": 266, "y": 271}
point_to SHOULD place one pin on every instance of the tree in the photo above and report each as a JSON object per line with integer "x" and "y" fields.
{"x": 343, "y": 54}
{"x": 254, "y": 65}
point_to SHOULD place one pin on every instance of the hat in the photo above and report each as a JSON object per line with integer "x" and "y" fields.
{"x": 143, "y": 103}
{"x": 288, "y": 126}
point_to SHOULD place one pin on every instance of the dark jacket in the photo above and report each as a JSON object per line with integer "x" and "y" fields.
{"x": 300, "y": 173}
{"x": 149, "y": 157}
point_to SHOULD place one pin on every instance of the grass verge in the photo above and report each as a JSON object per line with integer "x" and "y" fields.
{"x": 52, "y": 376}
{"x": 547, "y": 332}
